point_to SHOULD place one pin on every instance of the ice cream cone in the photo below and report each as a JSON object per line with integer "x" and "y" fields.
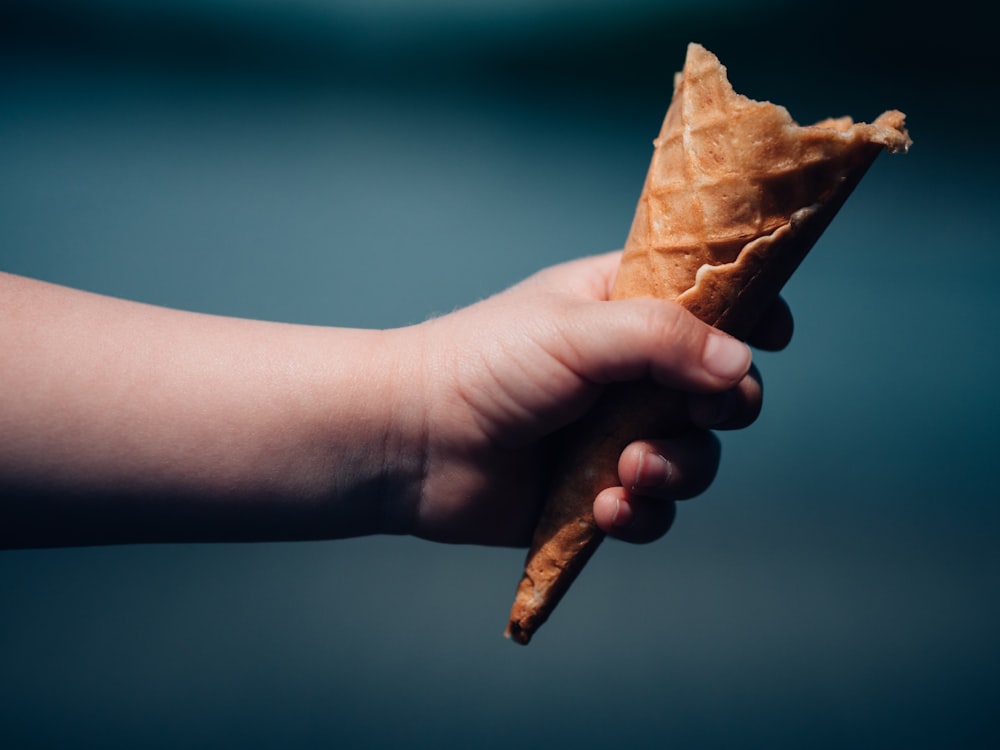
{"x": 736, "y": 194}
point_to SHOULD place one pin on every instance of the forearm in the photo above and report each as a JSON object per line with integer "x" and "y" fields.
{"x": 123, "y": 422}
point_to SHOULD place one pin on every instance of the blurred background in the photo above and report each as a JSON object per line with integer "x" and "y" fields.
{"x": 371, "y": 163}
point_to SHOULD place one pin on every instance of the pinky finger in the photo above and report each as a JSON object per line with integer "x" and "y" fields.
{"x": 632, "y": 518}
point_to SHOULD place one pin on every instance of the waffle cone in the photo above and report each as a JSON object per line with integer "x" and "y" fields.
{"x": 736, "y": 194}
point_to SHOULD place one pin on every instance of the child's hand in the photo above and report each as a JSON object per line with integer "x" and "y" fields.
{"x": 503, "y": 375}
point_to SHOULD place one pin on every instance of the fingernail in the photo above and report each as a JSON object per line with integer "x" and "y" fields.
{"x": 725, "y": 357}
{"x": 622, "y": 515}
{"x": 653, "y": 471}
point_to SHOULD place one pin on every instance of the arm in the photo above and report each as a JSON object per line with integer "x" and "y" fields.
{"x": 125, "y": 422}
{"x": 122, "y": 422}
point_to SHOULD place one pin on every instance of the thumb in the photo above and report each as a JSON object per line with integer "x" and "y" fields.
{"x": 630, "y": 339}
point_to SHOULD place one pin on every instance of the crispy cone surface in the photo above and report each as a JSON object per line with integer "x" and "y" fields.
{"x": 735, "y": 196}
{"x": 728, "y": 171}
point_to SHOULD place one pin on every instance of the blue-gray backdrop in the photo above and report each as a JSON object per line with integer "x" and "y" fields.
{"x": 373, "y": 163}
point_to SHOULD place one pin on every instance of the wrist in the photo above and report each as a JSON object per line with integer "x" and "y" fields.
{"x": 378, "y": 459}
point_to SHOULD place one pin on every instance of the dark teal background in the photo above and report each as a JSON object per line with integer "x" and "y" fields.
{"x": 373, "y": 164}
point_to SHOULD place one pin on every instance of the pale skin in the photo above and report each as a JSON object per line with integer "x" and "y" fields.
{"x": 122, "y": 422}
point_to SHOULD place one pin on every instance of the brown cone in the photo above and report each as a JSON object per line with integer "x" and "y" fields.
{"x": 736, "y": 194}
